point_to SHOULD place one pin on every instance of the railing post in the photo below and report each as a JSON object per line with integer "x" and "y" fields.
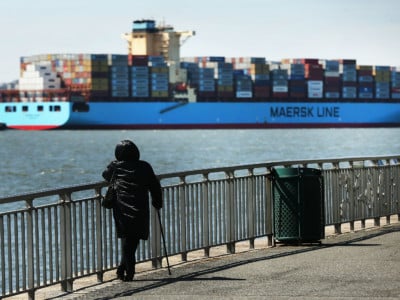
{"x": 377, "y": 205}
{"x": 30, "y": 250}
{"x": 335, "y": 195}
{"x": 251, "y": 208}
{"x": 65, "y": 241}
{"x": 269, "y": 209}
{"x": 230, "y": 213}
{"x": 183, "y": 216}
{"x": 206, "y": 234}
{"x": 99, "y": 237}
{"x": 351, "y": 199}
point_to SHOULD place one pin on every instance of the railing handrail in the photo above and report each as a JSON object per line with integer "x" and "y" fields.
{"x": 54, "y": 191}
{"x": 269, "y": 164}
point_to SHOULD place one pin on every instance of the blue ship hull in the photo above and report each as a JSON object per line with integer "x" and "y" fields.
{"x": 142, "y": 115}
{"x": 176, "y": 115}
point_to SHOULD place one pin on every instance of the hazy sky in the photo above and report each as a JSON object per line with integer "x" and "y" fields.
{"x": 366, "y": 30}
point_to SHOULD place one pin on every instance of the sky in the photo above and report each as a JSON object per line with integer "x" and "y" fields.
{"x": 365, "y": 30}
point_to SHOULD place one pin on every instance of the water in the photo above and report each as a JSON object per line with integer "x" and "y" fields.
{"x": 35, "y": 160}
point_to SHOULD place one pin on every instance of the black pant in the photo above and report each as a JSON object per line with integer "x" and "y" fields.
{"x": 128, "y": 260}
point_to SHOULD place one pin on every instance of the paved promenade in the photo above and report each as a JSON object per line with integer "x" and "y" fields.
{"x": 363, "y": 264}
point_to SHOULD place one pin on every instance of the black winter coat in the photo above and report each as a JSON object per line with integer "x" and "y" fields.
{"x": 134, "y": 180}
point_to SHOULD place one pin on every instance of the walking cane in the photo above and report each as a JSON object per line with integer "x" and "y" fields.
{"x": 163, "y": 238}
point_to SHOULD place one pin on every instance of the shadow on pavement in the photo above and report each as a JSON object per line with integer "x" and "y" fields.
{"x": 287, "y": 251}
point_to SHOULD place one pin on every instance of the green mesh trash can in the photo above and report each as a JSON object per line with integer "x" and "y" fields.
{"x": 298, "y": 204}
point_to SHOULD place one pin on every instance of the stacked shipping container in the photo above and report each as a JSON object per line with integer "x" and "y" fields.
{"x": 395, "y": 83}
{"x": 382, "y": 82}
{"x": 297, "y": 82}
{"x": 260, "y": 75}
{"x": 365, "y": 82}
{"x": 140, "y": 76}
{"x": 114, "y": 77}
{"x": 106, "y": 76}
{"x": 332, "y": 79}
{"x": 119, "y": 76}
{"x": 159, "y": 77}
{"x": 349, "y": 79}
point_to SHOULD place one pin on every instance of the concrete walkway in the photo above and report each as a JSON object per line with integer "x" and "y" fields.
{"x": 355, "y": 265}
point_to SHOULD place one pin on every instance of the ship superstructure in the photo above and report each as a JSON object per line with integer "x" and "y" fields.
{"x": 148, "y": 39}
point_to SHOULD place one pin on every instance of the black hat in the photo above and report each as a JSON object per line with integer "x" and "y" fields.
{"x": 126, "y": 150}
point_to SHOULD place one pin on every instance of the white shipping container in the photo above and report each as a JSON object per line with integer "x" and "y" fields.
{"x": 188, "y": 59}
{"x": 242, "y": 66}
{"x": 332, "y": 95}
{"x": 331, "y": 74}
{"x": 280, "y": 89}
{"x": 211, "y": 64}
{"x": 315, "y": 83}
{"x": 244, "y": 94}
{"x": 349, "y": 95}
{"x": 40, "y": 67}
{"x": 365, "y": 95}
{"x": 315, "y": 88}
{"x": 39, "y": 83}
{"x": 314, "y": 94}
{"x": 395, "y": 95}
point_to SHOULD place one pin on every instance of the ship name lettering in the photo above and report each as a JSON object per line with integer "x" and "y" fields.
{"x": 292, "y": 112}
{"x": 305, "y": 112}
{"x": 328, "y": 112}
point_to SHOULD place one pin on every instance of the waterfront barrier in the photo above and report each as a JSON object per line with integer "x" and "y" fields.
{"x": 59, "y": 235}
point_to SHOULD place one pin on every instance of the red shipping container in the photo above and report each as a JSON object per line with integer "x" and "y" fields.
{"x": 262, "y": 88}
{"x": 314, "y": 71}
{"x": 312, "y": 61}
{"x": 298, "y": 95}
{"x": 67, "y": 81}
{"x": 364, "y": 72}
{"x": 332, "y": 81}
{"x": 332, "y": 84}
{"x": 332, "y": 88}
{"x": 313, "y": 67}
{"x": 395, "y": 90}
{"x": 280, "y": 95}
{"x": 349, "y": 84}
{"x": 140, "y": 60}
{"x": 315, "y": 75}
{"x": 262, "y": 93}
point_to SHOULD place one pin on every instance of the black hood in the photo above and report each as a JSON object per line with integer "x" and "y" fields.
{"x": 126, "y": 150}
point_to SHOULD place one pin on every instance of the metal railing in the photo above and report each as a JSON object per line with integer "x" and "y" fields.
{"x": 59, "y": 235}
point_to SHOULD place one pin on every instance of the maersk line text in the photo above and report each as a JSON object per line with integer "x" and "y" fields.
{"x": 305, "y": 112}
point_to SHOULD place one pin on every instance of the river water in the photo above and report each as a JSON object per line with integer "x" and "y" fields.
{"x": 35, "y": 160}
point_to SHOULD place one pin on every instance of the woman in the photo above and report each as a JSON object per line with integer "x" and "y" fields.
{"x": 134, "y": 178}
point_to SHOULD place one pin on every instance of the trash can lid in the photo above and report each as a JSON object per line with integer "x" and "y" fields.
{"x": 291, "y": 172}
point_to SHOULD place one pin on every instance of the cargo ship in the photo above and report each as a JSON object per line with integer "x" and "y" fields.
{"x": 153, "y": 87}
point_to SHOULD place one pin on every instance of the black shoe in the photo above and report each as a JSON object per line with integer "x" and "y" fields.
{"x": 121, "y": 273}
{"x": 128, "y": 278}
